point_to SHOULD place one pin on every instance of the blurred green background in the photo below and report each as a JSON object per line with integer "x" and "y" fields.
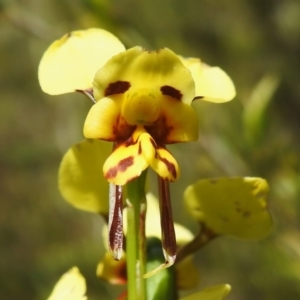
{"x": 256, "y": 42}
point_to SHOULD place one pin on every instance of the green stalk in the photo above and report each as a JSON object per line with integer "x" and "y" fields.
{"x": 136, "y": 240}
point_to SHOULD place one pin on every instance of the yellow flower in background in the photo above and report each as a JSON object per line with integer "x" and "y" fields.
{"x": 143, "y": 98}
{"x": 71, "y": 286}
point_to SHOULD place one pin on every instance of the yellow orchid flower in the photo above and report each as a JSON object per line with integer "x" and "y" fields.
{"x": 142, "y": 97}
{"x": 142, "y": 103}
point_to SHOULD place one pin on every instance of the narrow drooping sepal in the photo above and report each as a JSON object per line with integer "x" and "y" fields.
{"x": 115, "y": 221}
{"x": 167, "y": 227}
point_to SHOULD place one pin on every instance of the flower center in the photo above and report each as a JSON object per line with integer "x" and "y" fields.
{"x": 141, "y": 107}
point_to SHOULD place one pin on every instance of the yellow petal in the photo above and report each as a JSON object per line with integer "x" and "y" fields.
{"x": 71, "y": 286}
{"x": 231, "y": 206}
{"x": 71, "y": 62}
{"x": 104, "y": 121}
{"x": 165, "y": 165}
{"x": 217, "y": 292}
{"x": 81, "y": 179}
{"x": 212, "y": 83}
{"x": 136, "y": 68}
{"x": 128, "y": 160}
{"x": 180, "y": 121}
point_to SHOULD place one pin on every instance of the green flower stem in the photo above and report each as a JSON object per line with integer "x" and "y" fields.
{"x": 136, "y": 240}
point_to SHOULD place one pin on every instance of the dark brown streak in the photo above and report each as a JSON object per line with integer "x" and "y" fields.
{"x": 122, "y": 166}
{"x": 170, "y": 91}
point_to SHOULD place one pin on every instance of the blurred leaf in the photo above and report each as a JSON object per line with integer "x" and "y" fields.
{"x": 71, "y": 286}
{"x": 81, "y": 179}
{"x": 234, "y": 206}
{"x": 217, "y": 292}
{"x": 256, "y": 106}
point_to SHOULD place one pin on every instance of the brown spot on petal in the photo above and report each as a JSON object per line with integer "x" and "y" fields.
{"x": 170, "y": 91}
{"x": 122, "y": 166}
{"x": 118, "y": 87}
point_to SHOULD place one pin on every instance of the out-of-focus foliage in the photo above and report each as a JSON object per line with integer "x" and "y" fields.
{"x": 42, "y": 236}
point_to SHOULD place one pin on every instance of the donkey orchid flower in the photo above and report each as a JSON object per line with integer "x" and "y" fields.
{"x": 142, "y": 103}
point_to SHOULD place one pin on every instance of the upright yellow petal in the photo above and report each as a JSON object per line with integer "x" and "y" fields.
{"x": 81, "y": 179}
{"x": 138, "y": 68}
{"x": 70, "y": 63}
{"x": 212, "y": 83}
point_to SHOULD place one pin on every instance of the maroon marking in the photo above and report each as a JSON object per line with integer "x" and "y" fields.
{"x": 122, "y": 130}
{"x": 122, "y": 166}
{"x": 140, "y": 148}
{"x": 170, "y": 91}
{"x": 118, "y": 87}
{"x": 171, "y": 168}
{"x": 160, "y": 130}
